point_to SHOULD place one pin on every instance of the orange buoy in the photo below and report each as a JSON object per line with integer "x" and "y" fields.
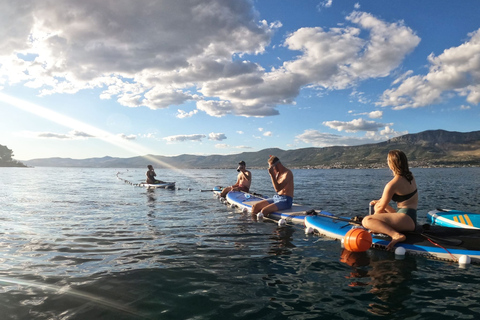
{"x": 357, "y": 240}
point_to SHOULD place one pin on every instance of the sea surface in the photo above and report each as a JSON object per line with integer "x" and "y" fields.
{"x": 80, "y": 243}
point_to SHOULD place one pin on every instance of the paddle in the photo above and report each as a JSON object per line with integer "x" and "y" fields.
{"x": 336, "y": 218}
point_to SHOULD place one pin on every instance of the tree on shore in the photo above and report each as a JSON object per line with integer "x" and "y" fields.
{"x": 6, "y": 158}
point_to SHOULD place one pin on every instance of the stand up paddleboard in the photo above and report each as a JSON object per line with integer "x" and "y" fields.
{"x": 165, "y": 185}
{"x": 244, "y": 201}
{"x": 454, "y": 218}
{"x": 434, "y": 242}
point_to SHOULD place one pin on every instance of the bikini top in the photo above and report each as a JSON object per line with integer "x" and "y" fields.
{"x": 401, "y": 198}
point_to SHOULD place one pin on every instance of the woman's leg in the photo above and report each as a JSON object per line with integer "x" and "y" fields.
{"x": 390, "y": 224}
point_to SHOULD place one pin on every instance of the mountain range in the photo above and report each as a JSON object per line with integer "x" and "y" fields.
{"x": 433, "y": 148}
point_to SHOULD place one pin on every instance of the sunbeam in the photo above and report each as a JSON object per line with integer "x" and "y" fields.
{"x": 74, "y": 124}
{"x": 74, "y": 293}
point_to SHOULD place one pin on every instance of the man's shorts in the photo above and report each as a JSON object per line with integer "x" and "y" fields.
{"x": 282, "y": 202}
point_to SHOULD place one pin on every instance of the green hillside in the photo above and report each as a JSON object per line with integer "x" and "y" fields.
{"x": 424, "y": 149}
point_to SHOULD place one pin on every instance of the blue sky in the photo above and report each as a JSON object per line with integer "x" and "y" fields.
{"x": 82, "y": 79}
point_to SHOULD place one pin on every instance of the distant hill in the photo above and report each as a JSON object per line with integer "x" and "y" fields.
{"x": 425, "y": 149}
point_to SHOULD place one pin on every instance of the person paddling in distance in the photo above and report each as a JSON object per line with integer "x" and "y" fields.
{"x": 401, "y": 189}
{"x": 244, "y": 180}
{"x": 151, "y": 176}
{"x": 282, "y": 180}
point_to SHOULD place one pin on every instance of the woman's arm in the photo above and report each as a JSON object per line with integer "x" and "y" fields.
{"x": 382, "y": 205}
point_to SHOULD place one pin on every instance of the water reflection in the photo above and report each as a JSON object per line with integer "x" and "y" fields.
{"x": 282, "y": 241}
{"x": 151, "y": 199}
{"x": 388, "y": 278}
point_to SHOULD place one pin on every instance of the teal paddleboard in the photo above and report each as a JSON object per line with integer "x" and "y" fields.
{"x": 454, "y": 218}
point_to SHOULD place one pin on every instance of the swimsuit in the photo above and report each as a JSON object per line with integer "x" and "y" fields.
{"x": 399, "y": 198}
{"x": 282, "y": 202}
{"x": 412, "y": 213}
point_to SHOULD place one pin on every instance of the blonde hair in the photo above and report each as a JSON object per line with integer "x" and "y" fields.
{"x": 399, "y": 164}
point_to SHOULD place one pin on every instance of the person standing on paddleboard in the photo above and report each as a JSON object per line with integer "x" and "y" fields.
{"x": 244, "y": 180}
{"x": 282, "y": 180}
{"x": 403, "y": 190}
{"x": 151, "y": 175}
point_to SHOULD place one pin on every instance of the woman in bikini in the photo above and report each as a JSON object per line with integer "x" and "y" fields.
{"x": 401, "y": 189}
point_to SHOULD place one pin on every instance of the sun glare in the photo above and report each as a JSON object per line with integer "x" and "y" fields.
{"x": 74, "y": 124}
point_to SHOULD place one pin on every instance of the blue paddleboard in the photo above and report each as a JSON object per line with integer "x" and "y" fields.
{"x": 245, "y": 201}
{"x": 434, "y": 242}
{"x": 454, "y": 218}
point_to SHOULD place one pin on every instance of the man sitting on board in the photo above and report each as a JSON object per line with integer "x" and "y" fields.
{"x": 282, "y": 180}
{"x": 151, "y": 176}
{"x": 244, "y": 180}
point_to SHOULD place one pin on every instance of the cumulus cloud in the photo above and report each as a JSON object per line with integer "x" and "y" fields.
{"x": 62, "y": 136}
{"x": 268, "y": 133}
{"x": 375, "y": 114}
{"x": 183, "y": 114}
{"x": 356, "y": 125}
{"x": 320, "y": 139}
{"x": 187, "y": 51}
{"x": 49, "y": 135}
{"x": 217, "y": 136}
{"x": 127, "y": 137}
{"x": 185, "y": 137}
{"x": 456, "y": 70}
{"x": 325, "y": 4}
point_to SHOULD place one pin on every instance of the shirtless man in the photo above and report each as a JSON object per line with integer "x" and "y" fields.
{"x": 282, "y": 180}
{"x": 244, "y": 180}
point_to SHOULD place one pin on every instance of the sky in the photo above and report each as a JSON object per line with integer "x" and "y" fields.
{"x": 124, "y": 78}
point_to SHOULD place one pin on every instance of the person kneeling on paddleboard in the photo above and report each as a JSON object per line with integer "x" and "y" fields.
{"x": 282, "y": 180}
{"x": 401, "y": 189}
{"x": 244, "y": 180}
{"x": 151, "y": 176}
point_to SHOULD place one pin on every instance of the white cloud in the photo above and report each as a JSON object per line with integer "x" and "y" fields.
{"x": 50, "y": 135}
{"x": 268, "y": 133}
{"x": 375, "y": 114}
{"x": 129, "y": 137}
{"x": 183, "y": 51}
{"x": 326, "y": 3}
{"x": 217, "y": 136}
{"x": 72, "y": 135}
{"x": 185, "y": 137}
{"x": 456, "y": 70}
{"x": 355, "y": 125}
{"x": 372, "y": 115}
{"x": 183, "y": 114}
{"x": 320, "y": 139}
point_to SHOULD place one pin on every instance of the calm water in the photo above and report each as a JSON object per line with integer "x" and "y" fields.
{"x": 82, "y": 244}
